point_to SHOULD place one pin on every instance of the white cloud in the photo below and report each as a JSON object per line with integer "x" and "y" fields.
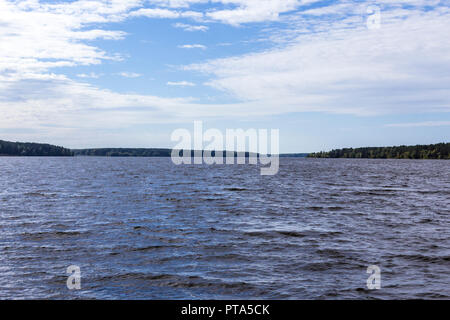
{"x": 38, "y": 36}
{"x": 233, "y": 12}
{"x": 192, "y": 46}
{"x": 246, "y": 11}
{"x": 179, "y": 3}
{"x": 330, "y": 65}
{"x": 63, "y": 102}
{"x": 181, "y": 84}
{"x": 189, "y": 27}
{"x": 156, "y": 13}
{"x": 166, "y": 14}
{"x": 63, "y": 108}
{"x": 129, "y": 74}
{"x": 91, "y": 75}
{"x": 419, "y": 124}
{"x": 347, "y": 68}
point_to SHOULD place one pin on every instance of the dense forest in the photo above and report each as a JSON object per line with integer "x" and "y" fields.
{"x": 434, "y": 151}
{"x": 293, "y": 155}
{"x": 131, "y": 152}
{"x": 32, "y": 149}
{"x": 123, "y": 152}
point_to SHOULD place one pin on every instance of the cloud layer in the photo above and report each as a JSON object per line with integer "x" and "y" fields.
{"x": 344, "y": 67}
{"x": 322, "y": 59}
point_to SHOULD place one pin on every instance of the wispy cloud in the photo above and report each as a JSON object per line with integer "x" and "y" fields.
{"x": 190, "y": 27}
{"x": 37, "y": 36}
{"x": 419, "y": 124}
{"x": 325, "y": 60}
{"x": 233, "y": 12}
{"x": 246, "y": 11}
{"x": 166, "y": 13}
{"x": 129, "y": 74}
{"x": 192, "y": 46}
{"x": 91, "y": 75}
{"x": 343, "y": 67}
{"x": 181, "y": 83}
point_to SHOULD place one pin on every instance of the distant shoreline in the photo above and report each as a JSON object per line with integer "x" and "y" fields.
{"x": 155, "y": 152}
{"x": 440, "y": 151}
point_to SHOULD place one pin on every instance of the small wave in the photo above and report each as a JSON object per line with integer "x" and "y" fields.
{"x": 291, "y": 233}
{"x": 315, "y": 208}
{"x": 40, "y": 194}
{"x": 150, "y": 248}
{"x": 52, "y": 234}
{"x": 335, "y": 208}
{"x": 176, "y": 281}
{"x": 424, "y": 258}
{"x": 235, "y": 189}
{"x": 318, "y": 266}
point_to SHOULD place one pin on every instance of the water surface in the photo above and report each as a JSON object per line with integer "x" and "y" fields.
{"x": 143, "y": 228}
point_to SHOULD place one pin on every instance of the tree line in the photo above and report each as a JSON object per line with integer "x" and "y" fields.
{"x": 123, "y": 152}
{"x": 433, "y": 151}
{"x": 8, "y": 148}
{"x": 140, "y": 152}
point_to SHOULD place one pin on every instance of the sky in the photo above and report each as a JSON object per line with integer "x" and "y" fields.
{"x": 327, "y": 74}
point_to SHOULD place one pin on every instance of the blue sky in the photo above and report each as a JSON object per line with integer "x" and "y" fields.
{"x": 328, "y": 74}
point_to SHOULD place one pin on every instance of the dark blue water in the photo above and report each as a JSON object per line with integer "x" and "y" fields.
{"x": 145, "y": 228}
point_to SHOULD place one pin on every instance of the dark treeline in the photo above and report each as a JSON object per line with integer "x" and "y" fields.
{"x": 32, "y": 149}
{"x": 294, "y": 155}
{"x": 133, "y": 152}
{"x": 434, "y": 151}
{"x": 123, "y": 152}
